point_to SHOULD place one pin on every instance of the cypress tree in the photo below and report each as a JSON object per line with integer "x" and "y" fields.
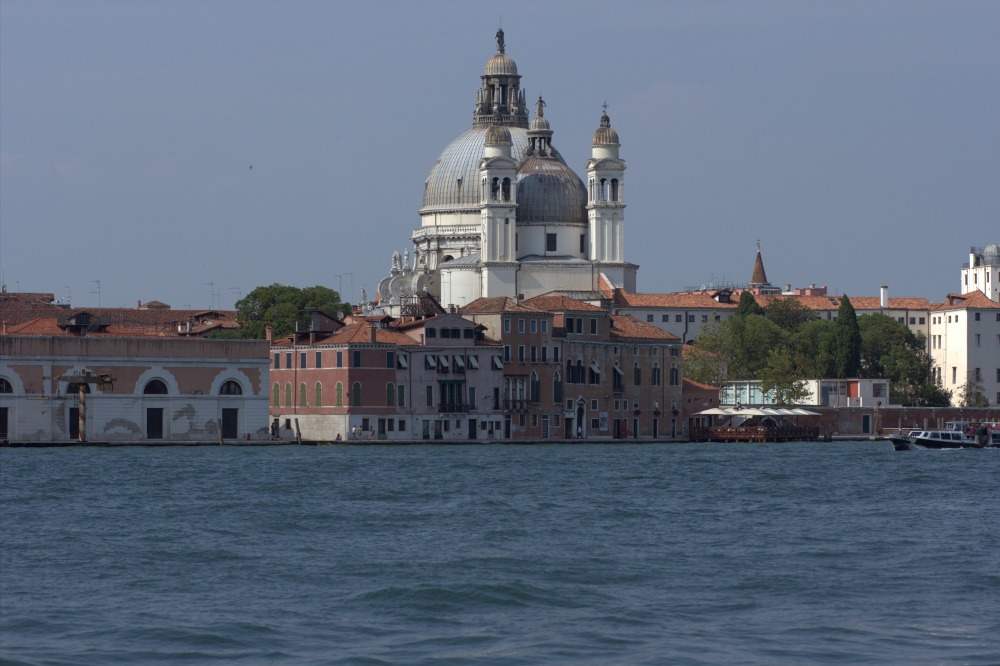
{"x": 847, "y": 340}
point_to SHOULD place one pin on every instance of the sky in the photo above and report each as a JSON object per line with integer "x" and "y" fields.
{"x": 857, "y": 142}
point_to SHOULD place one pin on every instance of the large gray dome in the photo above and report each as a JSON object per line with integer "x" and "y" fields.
{"x": 549, "y": 191}
{"x": 453, "y": 183}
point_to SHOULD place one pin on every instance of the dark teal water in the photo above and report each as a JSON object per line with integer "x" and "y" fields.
{"x": 587, "y": 554}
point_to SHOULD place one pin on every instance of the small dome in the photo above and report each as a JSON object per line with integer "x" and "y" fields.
{"x": 497, "y": 135}
{"x": 605, "y": 134}
{"x": 501, "y": 65}
{"x": 992, "y": 250}
{"x": 540, "y": 123}
{"x": 549, "y": 191}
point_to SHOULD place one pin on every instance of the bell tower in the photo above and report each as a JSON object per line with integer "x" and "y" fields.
{"x": 605, "y": 196}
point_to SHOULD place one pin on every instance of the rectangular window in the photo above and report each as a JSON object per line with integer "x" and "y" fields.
{"x": 467, "y": 333}
{"x": 977, "y": 339}
{"x": 472, "y": 397}
{"x": 319, "y": 359}
{"x": 430, "y": 395}
{"x": 593, "y": 404}
{"x": 356, "y": 363}
{"x": 649, "y": 318}
{"x": 579, "y": 324}
{"x": 340, "y": 359}
{"x": 545, "y": 326}
{"x": 678, "y": 318}
{"x": 401, "y": 362}
{"x": 977, "y": 316}
{"x": 520, "y": 326}
{"x": 534, "y": 326}
{"x": 674, "y": 351}
{"x": 550, "y": 242}
{"x": 402, "y": 425}
{"x": 569, "y": 324}
{"x": 430, "y": 362}
{"x": 593, "y": 327}
{"x": 583, "y": 243}
{"x": 913, "y": 320}
{"x": 922, "y": 320}
{"x": 506, "y": 353}
{"x": 302, "y": 359}
{"x": 545, "y": 354}
{"x": 506, "y": 325}
{"x": 288, "y": 359}
{"x": 277, "y": 361}
{"x": 555, "y": 354}
{"x": 704, "y": 319}
{"x": 497, "y": 363}
{"x": 473, "y": 361}
{"x": 534, "y": 353}
{"x": 534, "y": 420}
{"x": 665, "y": 318}
{"x": 998, "y": 374}
{"x": 390, "y": 359}
{"x": 431, "y": 332}
{"x": 718, "y": 317}
{"x": 401, "y": 396}
{"x": 520, "y": 353}
{"x": 691, "y": 318}
{"x": 977, "y": 375}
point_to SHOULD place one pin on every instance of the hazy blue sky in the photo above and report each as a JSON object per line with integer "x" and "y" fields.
{"x": 859, "y": 141}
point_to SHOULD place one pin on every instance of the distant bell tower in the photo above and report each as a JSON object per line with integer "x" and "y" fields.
{"x": 498, "y": 212}
{"x": 605, "y": 195}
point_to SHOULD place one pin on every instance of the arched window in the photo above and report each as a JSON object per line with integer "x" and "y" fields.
{"x": 579, "y": 372}
{"x": 318, "y": 402}
{"x": 569, "y": 372}
{"x": 231, "y": 387}
{"x": 557, "y": 389}
{"x": 656, "y": 374}
{"x": 302, "y": 395}
{"x": 495, "y": 188}
{"x": 593, "y": 373}
{"x": 288, "y": 394}
{"x": 340, "y": 394}
{"x": 604, "y": 189}
{"x": 390, "y": 395}
{"x": 614, "y": 189}
{"x": 617, "y": 379}
{"x": 636, "y": 374}
{"x": 356, "y": 395}
{"x": 402, "y": 395}
{"x": 74, "y": 389}
{"x": 155, "y": 387}
{"x": 675, "y": 375}
{"x": 5, "y": 386}
{"x": 276, "y": 394}
{"x": 505, "y": 190}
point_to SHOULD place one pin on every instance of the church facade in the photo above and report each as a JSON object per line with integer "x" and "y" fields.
{"x": 503, "y": 215}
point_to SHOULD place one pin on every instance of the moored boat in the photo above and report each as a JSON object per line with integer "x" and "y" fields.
{"x": 955, "y": 435}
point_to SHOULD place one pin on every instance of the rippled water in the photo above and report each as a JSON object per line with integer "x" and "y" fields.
{"x": 684, "y": 554}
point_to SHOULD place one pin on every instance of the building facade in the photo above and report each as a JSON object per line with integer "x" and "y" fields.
{"x": 965, "y": 345}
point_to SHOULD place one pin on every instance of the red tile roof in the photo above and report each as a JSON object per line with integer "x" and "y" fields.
{"x": 560, "y": 304}
{"x": 627, "y": 326}
{"x": 685, "y": 299}
{"x": 973, "y": 300}
{"x": 494, "y": 305}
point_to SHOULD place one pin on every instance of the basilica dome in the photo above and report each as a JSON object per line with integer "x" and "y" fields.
{"x": 549, "y": 191}
{"x": 453, "y": 181}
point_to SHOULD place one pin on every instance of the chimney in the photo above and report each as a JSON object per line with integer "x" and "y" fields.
{"x": 138, "y": 304}
{"x": 372, "y": 331}
{"x": 269, "y": 333}
{"x": 884, "y": 296}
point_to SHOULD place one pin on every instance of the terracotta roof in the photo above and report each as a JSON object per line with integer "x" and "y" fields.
{"x": 494, "y": 305}
{"x": 354, "y": 333}
{"x": 973, "y": 300}
{"x": 686, "y": 299}
{"x": 560, "y": 304}
{"x": 699, "y": 385}
{"x": 627, "y": 326}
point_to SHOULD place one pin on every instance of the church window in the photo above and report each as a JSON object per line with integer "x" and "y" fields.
{"x": 302, "y": 394}
{"x": 505, "y": 189}
{"x": 550, "y": 242}
{"x": 614, "y": 189}
{"x": 318, "y": 402}
{"x": 153, "y": 387}
{"x": 604, "y": 189}
{"x": 288, "y": 394}
{"x": 231, "y": 387}
{"x": 495, "y": 189}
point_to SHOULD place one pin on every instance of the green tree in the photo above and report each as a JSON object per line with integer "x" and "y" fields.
{"x": 846, "y": 341}
{"x": 813, "y": 348}
{"x": 282, "y": 306}
{"x": 748, "y": 305}
{"x": 972, "y": 393}
{"x": 789, "y": 313}
{"x": 782, "y": 378}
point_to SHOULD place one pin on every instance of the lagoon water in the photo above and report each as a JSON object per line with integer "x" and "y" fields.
{"x": 806, "y": 553}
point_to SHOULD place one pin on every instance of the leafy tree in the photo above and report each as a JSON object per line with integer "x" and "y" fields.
{"x": 282, "y": 306}
{"x": 708, "y": 360}
{"x": 782, "y": 378}
{"x": 748, "y": 305}
{"x": 972, "y": 393}
{"x": 813, "y": 347}
{"x": 789, "y": 313}
{"x": 846, "y": 341}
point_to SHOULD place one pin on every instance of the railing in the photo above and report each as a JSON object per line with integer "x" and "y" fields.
{"x": 755, "y": 434}
{"x": 515, "y": 405}
{"x": 453, "y": 408}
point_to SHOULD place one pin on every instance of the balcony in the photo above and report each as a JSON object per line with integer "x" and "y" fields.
{"x": 453, "y": 408}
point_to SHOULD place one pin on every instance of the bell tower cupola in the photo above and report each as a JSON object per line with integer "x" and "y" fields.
{"x": 606, "y": 195}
